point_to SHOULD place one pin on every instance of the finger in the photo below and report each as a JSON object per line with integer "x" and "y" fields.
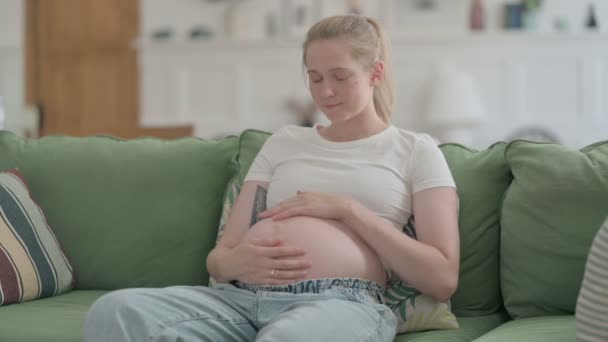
{"x": 292, "y": 264}
{"x": 270, "y": 211}
{"x": 266, "y": 242}
{"x": 295, "y": 211}
{"x": 274, "y": 211}
{"x": 283, "y": 204}
{"x": 282, "y": 252}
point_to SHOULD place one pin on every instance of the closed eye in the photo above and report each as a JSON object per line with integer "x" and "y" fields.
{"x": 341, "y": 77}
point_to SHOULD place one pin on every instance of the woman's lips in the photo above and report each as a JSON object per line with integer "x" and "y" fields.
{"x": 332, "y": 106}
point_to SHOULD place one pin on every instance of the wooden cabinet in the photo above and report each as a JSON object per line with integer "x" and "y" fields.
{"x": 81, "y": 69}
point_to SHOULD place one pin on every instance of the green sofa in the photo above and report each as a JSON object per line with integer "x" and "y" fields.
{"x": 144, "y": 213}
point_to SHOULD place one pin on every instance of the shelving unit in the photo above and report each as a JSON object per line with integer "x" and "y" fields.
{"x": 557, "y": 81}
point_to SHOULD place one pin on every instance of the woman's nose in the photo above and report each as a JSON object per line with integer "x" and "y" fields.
{"x": 328, "y": 90}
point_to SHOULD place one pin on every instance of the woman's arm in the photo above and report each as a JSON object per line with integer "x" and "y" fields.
{"x": 431, "y": 263}
{"x": 252, "y": 261}
{"x": 236, "y": 226}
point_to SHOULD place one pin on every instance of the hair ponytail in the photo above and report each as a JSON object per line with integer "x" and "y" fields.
{"x": 384, "y": 97}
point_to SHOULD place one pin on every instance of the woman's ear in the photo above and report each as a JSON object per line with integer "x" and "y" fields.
{"x": 377, "y": 73}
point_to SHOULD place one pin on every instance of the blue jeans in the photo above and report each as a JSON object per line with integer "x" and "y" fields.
{"x": 343, "y": 309}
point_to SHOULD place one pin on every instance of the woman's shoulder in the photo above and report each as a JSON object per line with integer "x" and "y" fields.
{"x": 288, "y": 135}
{"x": 411, "y": 138}
{"x": 292, "y": 131}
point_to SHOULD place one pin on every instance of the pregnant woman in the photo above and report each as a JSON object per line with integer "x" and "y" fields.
{"x": 305, "y": 252}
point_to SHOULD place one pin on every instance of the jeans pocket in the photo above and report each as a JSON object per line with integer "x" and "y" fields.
{"x": 355, "y": 295}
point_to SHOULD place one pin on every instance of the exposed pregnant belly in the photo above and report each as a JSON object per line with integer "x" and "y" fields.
{"x": 334, "y": 250}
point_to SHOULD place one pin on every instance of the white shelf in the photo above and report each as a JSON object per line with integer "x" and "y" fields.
{"x": 499, "y": 37}
{"x": 495, "y": 37}
{"x": 184, "y": 44}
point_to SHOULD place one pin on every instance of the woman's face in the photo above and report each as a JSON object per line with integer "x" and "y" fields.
{"x": 340, "y": 86}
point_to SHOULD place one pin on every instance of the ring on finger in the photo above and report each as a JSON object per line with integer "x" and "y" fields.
{"x": 273, "y": 272}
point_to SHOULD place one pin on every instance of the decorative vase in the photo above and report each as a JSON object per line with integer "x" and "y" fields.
{"x": 477, "y": 15}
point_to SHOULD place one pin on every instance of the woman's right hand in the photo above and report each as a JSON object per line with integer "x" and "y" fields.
{"x": 268, "y": 262}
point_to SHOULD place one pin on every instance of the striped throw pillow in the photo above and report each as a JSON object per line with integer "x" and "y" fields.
{"x": 592, "y": 303}
{"x": 32, "y": 264}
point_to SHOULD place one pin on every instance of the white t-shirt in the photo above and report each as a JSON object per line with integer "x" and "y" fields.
{"x": 381, "y": 171}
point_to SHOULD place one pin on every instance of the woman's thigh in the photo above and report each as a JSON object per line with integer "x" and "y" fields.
{"x": 331, "y": 320}
{"x": 172, "y": 314}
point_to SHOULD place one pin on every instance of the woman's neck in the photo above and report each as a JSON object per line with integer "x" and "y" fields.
{"x": 361, "y": 126}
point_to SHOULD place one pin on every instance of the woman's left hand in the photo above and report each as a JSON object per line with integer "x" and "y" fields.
{"x": 317, "y": 204}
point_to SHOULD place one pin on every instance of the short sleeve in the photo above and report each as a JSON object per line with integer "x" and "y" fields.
{"x": 428, "y": 166}
{"x": 262, "y": 166}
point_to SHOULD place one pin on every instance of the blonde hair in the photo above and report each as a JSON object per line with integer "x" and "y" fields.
{"x": 369, "y": 45}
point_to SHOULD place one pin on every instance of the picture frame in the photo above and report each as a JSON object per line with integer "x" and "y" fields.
{"x": 423, "y": 17}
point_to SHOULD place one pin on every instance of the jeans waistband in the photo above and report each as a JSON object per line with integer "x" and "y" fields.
{"x": 361, "y": 289}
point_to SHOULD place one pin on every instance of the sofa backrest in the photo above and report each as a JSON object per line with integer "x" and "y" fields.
{"x": 481, "y": 179}
{"x": 133, "y": 213}
{"x": 552, "y": 210}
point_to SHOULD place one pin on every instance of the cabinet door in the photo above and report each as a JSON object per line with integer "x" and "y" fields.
{"x": 82, "y": 71}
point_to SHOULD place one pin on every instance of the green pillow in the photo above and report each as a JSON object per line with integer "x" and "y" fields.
{"x": 415, "y": 310}
{"x": 481, "y": 179}
{"x": 128, "y": 213}
{"x": 551, "y": 212}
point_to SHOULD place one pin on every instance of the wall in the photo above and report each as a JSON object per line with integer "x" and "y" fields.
{"x": 12, "y": 85}
{"x": 11, "y": 22}
{"x": 557, "y": 82}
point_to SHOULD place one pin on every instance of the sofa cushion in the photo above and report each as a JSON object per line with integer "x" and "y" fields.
{"x": 536, "y": 329}
{"x": 551, "y": 212}
{"x": 55, "y": 319}
{"x": 129, "y": 213}
{"x": 470, "y": 329}
{"x": 592, "y": 303}
{"x": 32, "y": 264}
{"x": 481, "y": 178}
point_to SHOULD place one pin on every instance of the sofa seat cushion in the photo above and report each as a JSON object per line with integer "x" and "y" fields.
{"x": 536, "y": 329}
{"x": 53, "y": 319}
{"x": 470, "y": 329}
